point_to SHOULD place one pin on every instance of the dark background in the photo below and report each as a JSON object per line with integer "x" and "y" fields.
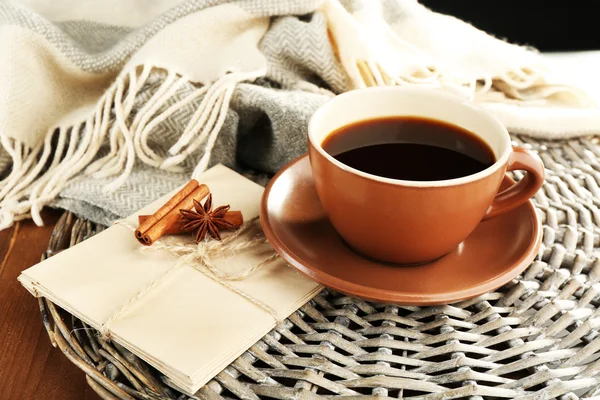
{"x": 546, "y": 25}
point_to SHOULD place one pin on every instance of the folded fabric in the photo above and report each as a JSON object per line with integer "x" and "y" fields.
{"x": 105, "y": 107}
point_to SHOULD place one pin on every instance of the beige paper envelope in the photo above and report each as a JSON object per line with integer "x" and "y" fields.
{"x": 173, "y": 316}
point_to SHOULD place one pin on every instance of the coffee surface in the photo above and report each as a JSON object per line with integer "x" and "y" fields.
{"x": 410, "y": 148}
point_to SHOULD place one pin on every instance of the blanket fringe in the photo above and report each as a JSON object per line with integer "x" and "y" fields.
{"x": 39, "y": 174}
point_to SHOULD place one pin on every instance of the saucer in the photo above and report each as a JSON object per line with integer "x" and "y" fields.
{"x": 297, "y": 227}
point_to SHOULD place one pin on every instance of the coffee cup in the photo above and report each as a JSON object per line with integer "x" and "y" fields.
{"x": 413, "y": 222}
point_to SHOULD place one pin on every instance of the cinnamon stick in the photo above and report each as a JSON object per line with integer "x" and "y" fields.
{"x": 161, "y": 212}
{"x": 168, "y": 215}
{"x": 235, "y": 217}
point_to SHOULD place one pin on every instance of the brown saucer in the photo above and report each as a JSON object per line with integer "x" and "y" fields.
{"x": 297, "y": 227}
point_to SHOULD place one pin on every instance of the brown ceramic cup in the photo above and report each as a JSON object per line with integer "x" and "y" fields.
{"x": 410, "y": 222}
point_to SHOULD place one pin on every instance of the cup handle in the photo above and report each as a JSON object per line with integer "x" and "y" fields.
{"x": 519, "y": 193}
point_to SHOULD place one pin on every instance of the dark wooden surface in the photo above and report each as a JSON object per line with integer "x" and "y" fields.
{"x": 30, "y": 368}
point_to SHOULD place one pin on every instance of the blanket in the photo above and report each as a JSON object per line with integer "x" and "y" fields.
{"x": 105, "y": 106}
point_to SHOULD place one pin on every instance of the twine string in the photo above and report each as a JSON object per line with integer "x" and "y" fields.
{"x": 199, "y": 256}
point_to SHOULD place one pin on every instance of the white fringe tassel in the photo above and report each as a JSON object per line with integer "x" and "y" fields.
{"x": 372, "y": 54}
{"x": 39, "y": 174}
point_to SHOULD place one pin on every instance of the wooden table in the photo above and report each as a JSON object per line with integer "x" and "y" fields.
{"x": 29, "y": 366}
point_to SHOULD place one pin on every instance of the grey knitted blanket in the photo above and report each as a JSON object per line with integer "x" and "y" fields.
{"x": 105, "y": 108}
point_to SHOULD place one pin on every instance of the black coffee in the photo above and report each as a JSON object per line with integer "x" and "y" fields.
{"x": 410, "y": 148}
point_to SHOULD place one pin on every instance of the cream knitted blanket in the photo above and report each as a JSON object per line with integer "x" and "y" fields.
{"x": 107, "y": 105}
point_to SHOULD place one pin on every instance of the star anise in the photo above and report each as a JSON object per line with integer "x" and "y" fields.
{"x": 203, "y": 220}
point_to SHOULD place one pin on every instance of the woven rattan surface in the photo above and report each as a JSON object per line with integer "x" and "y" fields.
{"x": 535, "y": 338}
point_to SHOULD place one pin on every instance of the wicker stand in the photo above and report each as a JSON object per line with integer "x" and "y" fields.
{"x": 535, "y": 338}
